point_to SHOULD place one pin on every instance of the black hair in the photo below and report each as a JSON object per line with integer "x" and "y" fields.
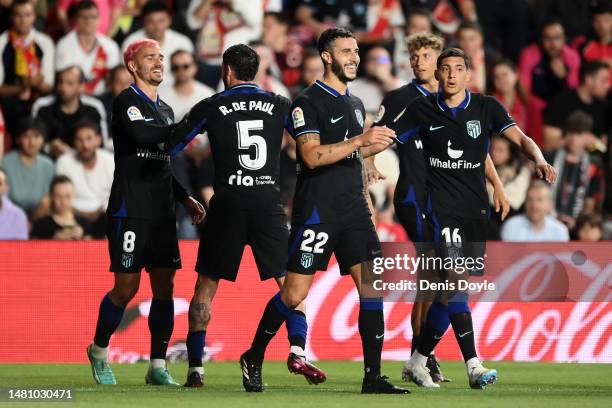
{"x": 17, "y": 3}
{"x": 589, "y": 68}
{"x": 243, "y": 60}
{"x": 601, "y": 7}
{"x": 59, "y": 74}
{"x": 330, "y": 35}
{"x": 27, "y": 123}
{"x": 153, "y": 6}
{"x": 84, "y": 5}
{"x": 549, "y": 22}
{"x": 85, "y": 124}
{"x": 578, "y": 122}
{"x": 59, "y": 179}
{"x": 280, "y": 17}
{"x": 454, "y": 52}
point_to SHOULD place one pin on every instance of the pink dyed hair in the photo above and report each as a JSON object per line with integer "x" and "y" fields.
{"x": 134, "y": 47}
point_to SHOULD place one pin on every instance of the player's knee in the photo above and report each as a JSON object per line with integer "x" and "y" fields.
{"x": 121, "y": 296}
{"x": 292, "y": 298}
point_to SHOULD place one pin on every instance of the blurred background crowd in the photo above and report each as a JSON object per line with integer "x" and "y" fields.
{"x": 547, "y": 61}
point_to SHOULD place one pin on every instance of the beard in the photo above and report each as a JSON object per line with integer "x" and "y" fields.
{"x": 338, "y": 70}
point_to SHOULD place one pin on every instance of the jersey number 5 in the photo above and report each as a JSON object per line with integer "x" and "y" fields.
{"x": 246, "y": 140}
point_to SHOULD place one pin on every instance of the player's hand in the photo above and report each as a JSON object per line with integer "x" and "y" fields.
{"x": 195, "y": 210}
{"x": 372, "y": 173}
{"x": 546, "y": 171}
{"x": 501, "y": 201}
{"x": 377, "y": 135}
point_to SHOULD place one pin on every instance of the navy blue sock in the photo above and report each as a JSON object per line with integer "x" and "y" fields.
{"x": 297, "y": 328}
{"x": 274, "y": 315}
{"x": 372, "y": 332}
{"x": 161, "y": 325}
{"x": 109, "y": 318}
{"x": 195, "y": 347}
{"x": 435, "y": 327}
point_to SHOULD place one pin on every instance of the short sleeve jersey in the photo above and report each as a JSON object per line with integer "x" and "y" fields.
{"x": 143, "y": 185}
{"x": 331, "y": 193}
{"x": 245, "y": 126}
{"x": 456, "y": 143}
{"x": 410, "y": 186}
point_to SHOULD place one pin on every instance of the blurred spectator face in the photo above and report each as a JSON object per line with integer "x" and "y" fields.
{"x": 418, "y": 23}
{"x": 470, "y": 40}
{"x": 504, "y": 79}
{"x": 500, "y": 151}
{"x": 553, "y": 39}
{"x": 183, "y": 68}
{"x": 87, "y": 21}
{"x": 3, "y": 184}
{"x": 86, "y": 141}
{"x": 312, "y": 69}
{"x": 30, "y": 142}
{"x": 272, "y": 30}
{"x": 377, "y": 59}
{"x": 265, "y": 59}
{"x": 23, "y": 18}
{"x": 423, "y": 63}
{"x": 590, "y": 233}
{"x": 62, "y": 198}
{"x": 121, "y": 80}
{"x": 453, "y": 75}
{"x": 538, "y": 203}
{"x": 345, "y": 58}
{"x": 156, "y": 24}
{"x": 602, "y": 25}
{"x": 69, "y": 85}
{"x": 576, "y": 143}
{"x": 598, "y": 84}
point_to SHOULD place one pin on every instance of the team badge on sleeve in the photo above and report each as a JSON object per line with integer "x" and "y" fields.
{"x": 134, "y": 113}
{"x": 359, "y": 117}
{"x": 380, "y": 114}
{"x": 473, "y": 128}
{"x": 298, "y": 117}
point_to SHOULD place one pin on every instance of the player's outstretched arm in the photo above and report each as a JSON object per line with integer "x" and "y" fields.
{"x": 192, "y": 124}
{"x": 532, "y": 151}
{"x": 314, "y": 154}
{"x": 500, "y": 199}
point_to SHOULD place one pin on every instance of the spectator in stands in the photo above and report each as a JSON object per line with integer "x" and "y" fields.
{"x": 13, "y": 220}
{"x": 579, "y": 179}
{"x": 157, "y": 20}
{"x": 599, "y": 46}
{"x": 62, "y": 223}
{"x": 590, "y": 97}
{"x": 312, "y": 69}
{"x": 5, "y": 141}
{"x": 221, "y": 24}
{"x": 93, "y": 52}
{"x": 109, "y": 10}
{"x": 470, "y": 39}
{"x": 550, "y": 66}
{"x": 514, "y": 176}
{"x": 377, "y": 81}
{"x": 288, "y": 52}
{"x": 118, "y": 79}
{"x": 504, "y": 25}
{"x": 319, "y": 15}
{"x": 537, "y": 224}
{"x": 263, "y": 78}
{"x": 508, "y": 90}
{"x": 29, "y": 172}
{"x": 65, "y": 108}
{"x": 589, "y": 227}
{"x": 26, "y": 68}
{"x": 90, "y": 169}
{"x": 186, "y": 91}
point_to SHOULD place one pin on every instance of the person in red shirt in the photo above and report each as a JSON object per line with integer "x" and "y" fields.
{"x": 599, "y": 46}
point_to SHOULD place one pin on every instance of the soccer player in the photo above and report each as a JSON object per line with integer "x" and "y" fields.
{"x": 454, "y": 126}
{"x": 141, "y": 227}
{"x": 330, "y": 213}
{"x": 245, "y": 125}
{"x": 410, "y": 193}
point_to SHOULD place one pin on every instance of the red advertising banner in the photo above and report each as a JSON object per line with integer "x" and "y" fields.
{"x": 51, "y": 292}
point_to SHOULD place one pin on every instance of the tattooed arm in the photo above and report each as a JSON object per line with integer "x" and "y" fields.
{"x": 314, "y": 154}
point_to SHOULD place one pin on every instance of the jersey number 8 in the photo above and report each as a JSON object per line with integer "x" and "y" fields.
{"x": 246, "y": 140}
{"x": 129, "y": 238}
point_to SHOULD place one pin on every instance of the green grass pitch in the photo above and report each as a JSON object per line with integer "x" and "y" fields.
{"x": 520, "y": 385}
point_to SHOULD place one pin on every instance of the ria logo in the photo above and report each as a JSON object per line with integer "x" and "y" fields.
{"x": 238, "y": 180}
{"x": 452, "y": 153}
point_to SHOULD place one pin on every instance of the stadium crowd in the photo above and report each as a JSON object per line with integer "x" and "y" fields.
{"x": 549, "y": 62}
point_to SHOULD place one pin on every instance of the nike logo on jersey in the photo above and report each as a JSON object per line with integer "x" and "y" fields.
{"x": 438, "y": 338}
{"x": 380, "y": 336}
{"x": 462, "y": 335}
{"x": 400, "y": 115}
{"x": 452, "y": 153}
{"x": 148, "y": 119}
{"x": 334, "y": 120}
{"x": 432, "y": 128}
